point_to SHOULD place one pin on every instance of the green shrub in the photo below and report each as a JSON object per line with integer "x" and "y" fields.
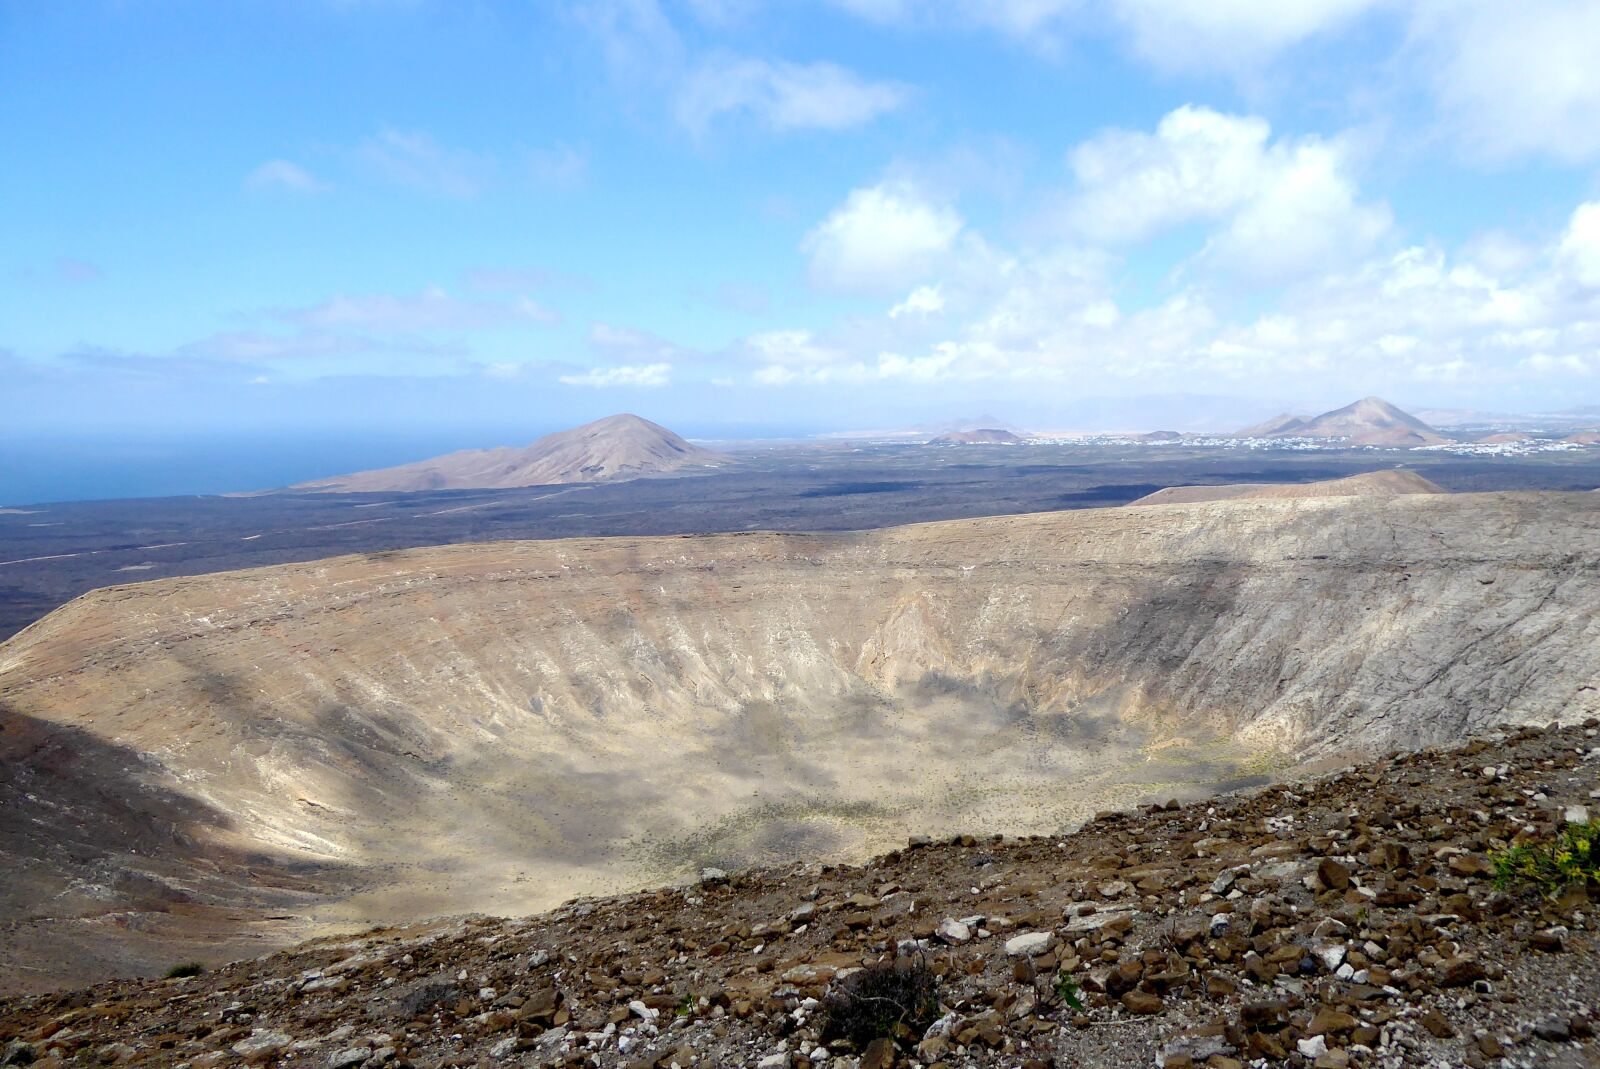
{"x": 882, "y": 1000}
{"x": 185, "y": 968}
{"x": 1066, "y": 990}
{"x": 1573, "y": 856}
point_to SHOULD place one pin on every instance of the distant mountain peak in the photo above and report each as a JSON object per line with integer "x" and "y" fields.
{"x": 623, "y": 446}
{"x": 1369, "y": 421}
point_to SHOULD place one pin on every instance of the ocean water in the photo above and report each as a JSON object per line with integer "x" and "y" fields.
{"x": 36, "y": 469}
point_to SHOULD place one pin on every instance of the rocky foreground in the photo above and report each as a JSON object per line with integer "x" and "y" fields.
{"x": 1347, "y": 921}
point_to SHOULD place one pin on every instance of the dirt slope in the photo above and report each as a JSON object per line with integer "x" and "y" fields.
{"x": 1348, "y": 921}
{"x": 1368, "y": 484}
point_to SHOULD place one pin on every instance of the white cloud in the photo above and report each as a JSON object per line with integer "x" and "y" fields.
{"x": 1580, "y": 245}
{"x": 1021, "y": 18}
{"x": 880, "y": 239}
{"x": 922, "y": 301}
{"x": 560, "y": 166}
{"x": 636, "y": 36}
{"x": 1304, "y": 216}
{"x": 624, "y": 345}
{"x": 634, "y": 375}
{"x": 285, "y": 176}
{"x": 1221, "y": 34}
{"x": 1480, "y": 320}
{"x": 1199, "y": 164}
{"x": 783, "y": 96}
{"x": 413, "y": 158}
{"x": 432, "y": 309}
{"x": 1515, "y": 79}
{"x": 1288, "y": 205}
{"x": 1173, "y": 34}
{"x": 253, "y": 346}
{"x": 647, "y": 56}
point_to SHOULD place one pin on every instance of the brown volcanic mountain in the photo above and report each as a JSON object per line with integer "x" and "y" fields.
{"x": 617, "y": 447}
{"x": 1367, "y": 484}
{"x": 1369, "y": 421}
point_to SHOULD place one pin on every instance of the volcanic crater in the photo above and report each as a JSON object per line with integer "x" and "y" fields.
{"x": 217, "y": 764}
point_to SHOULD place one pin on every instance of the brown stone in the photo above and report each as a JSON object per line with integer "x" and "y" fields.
{"x": 1334, "y": 876}
{"x": 880, "y": 1054}
{"x": 1436, "y": 1025}
{"x": 1142, "y": 1002}
{"x": 1329, "y": 1021}
{"x": 1458, "y": 972}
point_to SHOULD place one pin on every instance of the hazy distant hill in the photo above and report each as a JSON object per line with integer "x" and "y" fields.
{"x": 981, "y": 436}
{"x": 1282, "y": 424}
{"x": 1369, "y": 421}
{"x": 617, "y": 447}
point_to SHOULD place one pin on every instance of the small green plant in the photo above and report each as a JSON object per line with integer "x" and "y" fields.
{"x": 1573, "y": 856}
{"x": 882, "y": 1000}
{"x": 1067, "y": 989}
{"x": 685, "y": 1008}
{"x": 185, "y": 968}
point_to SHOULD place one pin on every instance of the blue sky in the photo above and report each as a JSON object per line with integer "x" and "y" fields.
{"x": 405, "y": 214}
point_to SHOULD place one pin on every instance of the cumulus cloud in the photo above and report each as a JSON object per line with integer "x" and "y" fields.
{"x": 632, "y": 375}
{"x": 1580, "y": 245}
{"x": 783, "y": 96}
{"x": 284, "y": 176}
{"x": 1487, "y": 317}
{"x": 1286, "y": 205}
{"x": 922, "y": 301}
{"x": 880, "y": 239}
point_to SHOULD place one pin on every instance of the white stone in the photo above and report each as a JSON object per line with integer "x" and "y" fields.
{"x": 261, "y": 1045}
{"x": 1315, "y": 1047}
{"x": 1577, "y": 814}
{"x": 1030, "y": 944}
{"x": 953, "y": 932}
